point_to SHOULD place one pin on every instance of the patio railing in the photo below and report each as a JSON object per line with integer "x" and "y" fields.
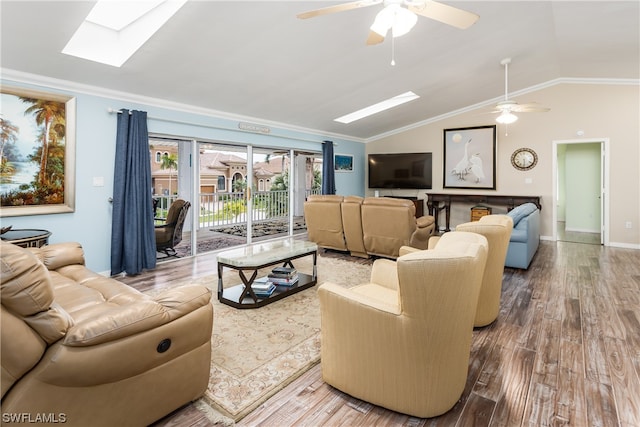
{"x": 221, "y": 209}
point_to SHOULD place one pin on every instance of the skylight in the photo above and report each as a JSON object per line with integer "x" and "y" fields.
{"x": 115, "y": 29}
{"x": 377, "y": 108}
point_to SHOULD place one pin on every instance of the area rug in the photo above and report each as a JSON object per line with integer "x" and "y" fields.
{"x": 257, "y": 352}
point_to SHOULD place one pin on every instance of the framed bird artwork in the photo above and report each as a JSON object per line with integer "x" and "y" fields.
{"x": 470, "y": 158}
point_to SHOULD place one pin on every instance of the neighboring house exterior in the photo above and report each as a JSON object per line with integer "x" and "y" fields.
{"x": 218, "y": 171}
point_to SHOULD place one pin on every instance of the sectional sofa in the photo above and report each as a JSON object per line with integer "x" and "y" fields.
{"x": 376, "y": 226}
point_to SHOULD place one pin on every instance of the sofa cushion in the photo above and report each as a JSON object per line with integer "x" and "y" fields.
{"x": 521, "y": 211}
{"x": 26, "y": 290}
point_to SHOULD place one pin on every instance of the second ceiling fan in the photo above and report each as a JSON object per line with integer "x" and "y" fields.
{"x": 507, "y": 107}
{"x": 400, "y": 16}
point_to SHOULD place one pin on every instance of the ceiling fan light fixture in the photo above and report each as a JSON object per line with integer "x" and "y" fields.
{"x": 405, "y": 20}
{"x": 395, "y": 17}
{"x": 506, "y": 118}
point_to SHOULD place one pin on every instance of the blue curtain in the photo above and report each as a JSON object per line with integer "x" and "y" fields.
{"x": 133, "y": 240}
{"x": 328, "y": 169}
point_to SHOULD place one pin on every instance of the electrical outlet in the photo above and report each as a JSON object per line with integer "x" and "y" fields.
{"x": 628, "y": 224}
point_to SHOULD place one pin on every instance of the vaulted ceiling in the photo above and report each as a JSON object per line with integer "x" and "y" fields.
{"x": 256, "y": 60}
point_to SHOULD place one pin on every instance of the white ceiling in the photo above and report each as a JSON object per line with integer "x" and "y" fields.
{"x": 257, "y": 60}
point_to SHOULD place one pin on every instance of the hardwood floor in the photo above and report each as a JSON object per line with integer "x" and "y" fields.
{"x": 565, "y": 350}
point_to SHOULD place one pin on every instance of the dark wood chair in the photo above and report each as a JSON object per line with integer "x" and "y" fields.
{"x": 168, "y": 235}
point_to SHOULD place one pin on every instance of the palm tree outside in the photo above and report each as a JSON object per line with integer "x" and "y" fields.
{"x": 169, "y": 161}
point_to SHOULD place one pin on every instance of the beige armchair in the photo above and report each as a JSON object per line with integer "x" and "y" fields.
{"x": 497, "y": 230}
{"x": 323, "y": 217}
{"x": 78, "y": 345}
{"x": 388, "y": 224}
{"x": 403, "y": 340}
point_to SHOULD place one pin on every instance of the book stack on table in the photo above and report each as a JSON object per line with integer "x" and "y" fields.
{"x": 283, "y": 276}
{"x": 263, "y": 289}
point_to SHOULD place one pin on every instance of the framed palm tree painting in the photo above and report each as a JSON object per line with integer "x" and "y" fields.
{"x": 37, "y": 153}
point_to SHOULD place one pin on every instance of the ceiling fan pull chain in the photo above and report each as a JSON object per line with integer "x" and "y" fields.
{"x": 393, "y": 51}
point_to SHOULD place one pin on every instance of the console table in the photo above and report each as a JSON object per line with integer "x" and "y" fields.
{"x": 434, "y": 200}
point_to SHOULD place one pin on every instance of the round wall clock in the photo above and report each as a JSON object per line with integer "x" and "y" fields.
{"x": 524, "y": 159}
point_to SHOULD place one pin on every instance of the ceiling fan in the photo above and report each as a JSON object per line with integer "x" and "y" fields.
{"x": 507, "y": 107}
{"x": 400, "y": 16}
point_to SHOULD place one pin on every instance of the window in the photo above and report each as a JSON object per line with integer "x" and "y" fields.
{"x": 158, "y": 157}
{"x": 221, "y": 183}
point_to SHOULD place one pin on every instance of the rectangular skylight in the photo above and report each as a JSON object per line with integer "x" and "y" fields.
{"x": 118, "y": 14}
{"x": 376, "y": 108}
{"x": 115, "y": 29}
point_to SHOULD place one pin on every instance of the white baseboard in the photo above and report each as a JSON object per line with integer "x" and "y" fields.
{"x": 581, "y": 230}
{"x": 625, "y": 245}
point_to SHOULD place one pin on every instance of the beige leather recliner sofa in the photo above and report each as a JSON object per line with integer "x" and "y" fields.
{"x": 366, "y": 226}
{"x": 323, "y": 218}
{"x": 403, "y": 340}
{"x": 87, "y": 350}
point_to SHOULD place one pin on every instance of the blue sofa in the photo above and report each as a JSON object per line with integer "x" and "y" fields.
{"x": 525, "y": 236}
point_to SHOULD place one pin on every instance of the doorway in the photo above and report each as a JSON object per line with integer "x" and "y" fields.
{"x": 580, "y": 184}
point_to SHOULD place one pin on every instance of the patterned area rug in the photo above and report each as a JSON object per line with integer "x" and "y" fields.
{"x": 257, "y": 352}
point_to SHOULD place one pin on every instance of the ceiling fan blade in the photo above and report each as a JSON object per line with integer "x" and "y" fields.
{"x": 374, "y": 38}
{"x": 337, "y": 8}
{"x": 531, "y": 107}
{"x": 446, "y": 14}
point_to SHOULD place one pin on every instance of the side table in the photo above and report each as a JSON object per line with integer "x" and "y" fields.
{"x": 27, "y": 238}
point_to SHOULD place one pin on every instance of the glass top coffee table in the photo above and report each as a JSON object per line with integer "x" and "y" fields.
{"x": 254, "y": 257}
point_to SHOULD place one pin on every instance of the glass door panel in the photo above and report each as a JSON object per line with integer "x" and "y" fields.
{"x": 170, "y": 180}
{"x": 222, "y": 196}
{"x": 270, "y": 195}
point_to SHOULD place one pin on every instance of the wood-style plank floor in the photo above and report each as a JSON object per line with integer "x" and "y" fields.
{"x": 565, "y": 350}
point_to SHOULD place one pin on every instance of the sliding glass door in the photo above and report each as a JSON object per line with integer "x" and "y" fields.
{"x": 239, "y": 194}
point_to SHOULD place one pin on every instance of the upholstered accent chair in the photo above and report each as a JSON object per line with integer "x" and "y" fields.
{"x": 169, "y": 234}
{"x": 497, "y": 230}
{"x": 402, "y": 341}
{"x": 84, "y": 345}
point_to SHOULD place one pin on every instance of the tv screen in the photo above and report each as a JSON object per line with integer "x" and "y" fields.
{"x": 400, "y": 170}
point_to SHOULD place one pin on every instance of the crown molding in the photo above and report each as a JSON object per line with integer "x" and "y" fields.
{"x": 69, "y": 86}
{"x": 494, "y": 101}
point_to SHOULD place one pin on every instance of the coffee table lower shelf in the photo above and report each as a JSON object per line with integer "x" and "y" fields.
{"x": 231, "y": 296}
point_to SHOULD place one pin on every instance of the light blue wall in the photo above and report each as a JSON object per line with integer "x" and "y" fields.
{"x": 90, "y": 224}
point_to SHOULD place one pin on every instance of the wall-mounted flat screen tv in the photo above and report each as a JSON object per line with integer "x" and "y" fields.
{"x": 400, "y": 170}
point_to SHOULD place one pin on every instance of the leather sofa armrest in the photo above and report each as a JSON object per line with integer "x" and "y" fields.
{"x": 425, "y": 226}
{"x": 65, "y": 365}
{"x": 425, "y": 221}
{"x": 58, "y": 255}
{"x": 126, "y": 320}
{"x": 433, "y": 241}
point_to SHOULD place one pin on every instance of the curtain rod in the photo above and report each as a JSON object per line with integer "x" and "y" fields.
{"x": 162, "y": 119}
